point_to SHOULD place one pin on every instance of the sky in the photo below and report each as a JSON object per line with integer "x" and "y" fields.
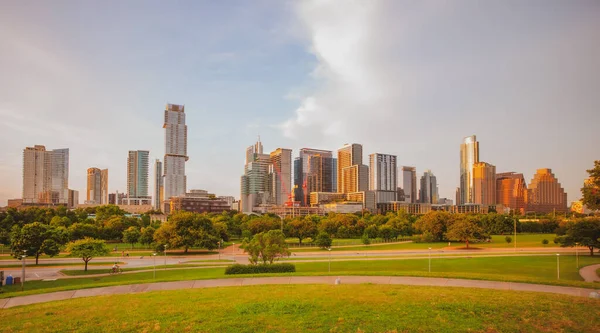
{"x": 409, "y": 78}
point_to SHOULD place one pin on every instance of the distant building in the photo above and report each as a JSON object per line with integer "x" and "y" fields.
{"x": 484, "y": 184}
{"x": 73, "y": 199}
{"x": 409, "y": 184}
{"x": 429, "y": 189}
{"x": 383, "y": 179}
{"x": 159, "y": 188}
{"x": 137, "y": 178}
{"x": 14, "y": 203}
{"x": 353, "y": 176}
{"x": 314, "y": 171}
{"x": 545, "y": 194}
{"x": 345, "y": 207}
{"x": 469, "y": 155}
{"x": 411, "y": 208}
{"x": 198, "y": 201}
{"x": 511, "y": 191}
{"x": 445, "y": 202}
{"x": 45, "y": 176}
{"x": 175, "y": 181}
{"x": 255, "y": 190}
{"x": 280, "y": 174}
{"x": 116, "y": 198}
{"x": 97, "y": 186}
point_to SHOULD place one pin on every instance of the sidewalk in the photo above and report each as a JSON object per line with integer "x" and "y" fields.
{"x": 193, "y": 284}
{"x": 588, "y": 273}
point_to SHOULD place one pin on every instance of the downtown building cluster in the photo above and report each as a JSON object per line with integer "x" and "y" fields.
{"x": 323, "y": 181}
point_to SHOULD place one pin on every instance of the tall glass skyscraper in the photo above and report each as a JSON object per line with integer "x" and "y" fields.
{"x": 175, "y": 181}
{"x": 409, "y": 183}
{"x": 314, "y": 171}
{"x": 469, "y": 155}
{"x": 158, "y": 185}
{"x": 45, "y": 175}
{"x": 137, "y": 174}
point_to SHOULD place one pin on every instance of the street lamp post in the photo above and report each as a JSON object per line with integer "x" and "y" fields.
{"x": 23, "y": 269}
{"x": 557, "y": 266}
{"x": 515, "y": 222}
{"x": 329, "y": 249}
{"x": 577, "y": 254}
{"x": 219, "y": 242}
{"x": 429, "y": 260}
{"x": 233, "y": 252}
{"x": 154, "y": 256}
{"x": 166, "y": 255}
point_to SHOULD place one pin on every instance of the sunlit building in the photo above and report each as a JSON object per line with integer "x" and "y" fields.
{"x": 97, "y": 186}
{"x": 511, "y": 191}
{"x": 175, "y": 181}
{"x": 254, "y": 183}
{"x": 137, "y": 178}
{"x": 314, "y": 171}
{"x": 353, "y": 176}
{"x": 281, "y": 176}
{"x": 469, "y": 155}
{"x": 383, "y": 178}
{"x": 545, "y": 194}
{"x": 484, "y": 184}
{"x": 45, "y": 176}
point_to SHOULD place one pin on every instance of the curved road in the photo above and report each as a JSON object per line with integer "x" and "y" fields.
{"x": 588, "y": 273}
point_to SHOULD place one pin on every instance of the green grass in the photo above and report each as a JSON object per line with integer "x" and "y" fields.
{"x": 73, "y": 272}
{"x": 131, "y": 254}
{"x": 532, "y": 269}
{"x": 312, "y": 308}
{"x": 33, "y": 265}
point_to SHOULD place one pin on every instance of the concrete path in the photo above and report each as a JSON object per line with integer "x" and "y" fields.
{"x": 393, "y": 280}
{"x": 588, "y": 273}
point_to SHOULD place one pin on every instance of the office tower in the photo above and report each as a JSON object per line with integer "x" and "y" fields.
{"x": 469, "y": 155}
{"x": 137, "y": 174}
{"x": 281, "y": 176}
{"x": 334, "y": 175}
{"x": 322, "y": 176}
{"x": 457, "y": 196}
{"x": 45, "y": 176}
{"x": 409, "y": 184}
{"x": 175, "y": 181}
{"x": 255, "y": 183}
{"x": 429, "y": 189}
{"x": 97, "y": 186}
{"x": 484, "y": 184}
{"x": 158, "y": 185}
{"x": 352, "y": 175}
{"x": 73, "y": 199}
{"x": 383, "y": 177}
{"x": 545, "y": 194}
{"x": 511, "y": 191}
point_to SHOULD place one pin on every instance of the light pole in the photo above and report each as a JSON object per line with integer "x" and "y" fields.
{"x": 219, "y": 242}
{"x": 557, "y": 266}
{"x": 23, "y": 269}
{"x": 166, "y": 255}
{"x": 329, "y": 249}
{"x": 154, "y": 256}
{"x": 233, "y": 252}
{"x": 577, "y": 254}
{"x": 515, "y": 222}
{"x": 429, "y": 260}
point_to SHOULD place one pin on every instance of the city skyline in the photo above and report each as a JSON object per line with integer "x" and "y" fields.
{"x": 286, "y": 82}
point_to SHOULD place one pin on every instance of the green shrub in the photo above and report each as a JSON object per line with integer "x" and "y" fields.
{"x": 545, "y": 241}
{"x": 258, "y": 269}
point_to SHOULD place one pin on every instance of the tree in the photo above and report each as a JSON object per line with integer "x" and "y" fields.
{"x": 147, "y": 236}
{"x": 545, "y": 242}
{"x": 266, "y": 246}
{"x": 131, "y": 235}
{"x": 82, "y": 230}
{"x": 508, "y": 239}
{"x": 464, "y": 229}
{"x": 436, "y": 223}
{"x": 591, "y": 188}
{"x": 583, "y": 232}
{"x": 323, "y": 240}
{"x": 87, "y": 249}
{"x": 365, "y": 239}
{"x": 187, "y": 229}
{"x": 387, "y": 232}
{"x": 301, "y": 229}
{"x": 37, "y": 238}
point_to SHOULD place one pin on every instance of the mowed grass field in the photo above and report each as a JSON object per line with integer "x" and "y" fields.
{"x": 531, "y": 269}
{"x": 312, "y": 308}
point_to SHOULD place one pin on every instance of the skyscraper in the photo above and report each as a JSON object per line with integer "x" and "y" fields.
{"x": 158, "y": 185}
{"x": 356, "y": 177}
{"x": 45, "y": 176}
{"x": 429, "y": 189}
{"x": 175, "y": 182}
{"x": 314, "y": 171}
{"x": 484, "y": 184}
{"x": 409, "y": 183}
{"x": 281, "y": 175}
{"x": 97, "y": 186}
{"x": 137, "y": 174}
{"x": 511, "y": 191}
{"x": 383, "y": 177}
{"x": 545, "y": 194}
{"x": 255, "y": 183}
{"x": 469, "y": 155}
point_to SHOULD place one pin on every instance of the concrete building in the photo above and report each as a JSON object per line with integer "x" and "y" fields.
{"x": 73, "y": 199}
{"x": 159, "y": 188}
{"x": 281, "y": 176}
{"x": 429, "y": 190}
{"x": 484, "y": 184}
{"x": 353, "y": 176}
{"x": 545, "y": 194}
{"x": 383, "y": 179}
{"x": 411, "y": 208}
{"x": 314, "y": 171}
{"x": 97, "y": 186}
{"x": 345, "y": 207}
{"x": 469, "y": 155}
{"x": 175, "y": 181}
{"x": 45, "y": 176}
{"x": 511, "y": 191}
{"x": 198, "y": 201}
{"x": 116, "y": 198}
{"x": 254, "y": 183}
{"x": 137, "y": 178}
{"x": 409, "y": 184}
{"x": 319, "y": 198}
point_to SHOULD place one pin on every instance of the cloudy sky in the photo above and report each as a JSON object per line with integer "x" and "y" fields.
{"x": 410, "y": 78}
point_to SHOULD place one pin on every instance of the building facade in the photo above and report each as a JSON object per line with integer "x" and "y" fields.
{"x": 484, "y": 184}
{"x": 429, "y": 189}
{"x": 545, "y": 194}
{"x": 511, "y": 191}
{"x": 137, "y": 176}
{"x": 469, "y": 155}
{"x": 175, "y": 181}
{"x": 314, "y": 171}
{"x": 383, "y": 177}
{"x": 45, "y": 176}
{"x": 198, "y": 201}
{"x": 254, "y": 183}
{"x": 97, "y": 186}
{"x": 409, "y": 184}
{"x": 350, "y": 157}
{"x": 159, "y": 189}
{"x": 281, "y": 176}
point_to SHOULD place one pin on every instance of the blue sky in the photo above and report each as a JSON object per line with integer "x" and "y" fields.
{"x": 401, "y": 77}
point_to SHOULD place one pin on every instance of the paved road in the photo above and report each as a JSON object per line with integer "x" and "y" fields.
{"x": 588, "y": 273}
{"x": 394, "y": 280}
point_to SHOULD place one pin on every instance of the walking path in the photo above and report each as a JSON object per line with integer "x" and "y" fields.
{"x": 393, "y": 280}
{"x": 588, "y": 273}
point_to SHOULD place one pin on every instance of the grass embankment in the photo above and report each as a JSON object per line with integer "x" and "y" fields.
{"x": 534, "y": 269}
{"x": 498, "y": 241}
{"x": 72, "y": 272}
{"x": 323, "y": 308}
{"x": 132, "y": 255}
{"x": 33, "y": 265}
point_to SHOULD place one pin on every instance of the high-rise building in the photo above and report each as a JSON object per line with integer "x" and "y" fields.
{"x": 158, "y": 185}
{"x": 317, "y": 179}
{"x": 137, "y": 174}
{"x": 383, "y": 177}
{"x": 45, "y": 176}
{"x": 469, "y": 155}
{"x": 97, "y": 186}
{"x": 73, "y": 199}
{"x": 545, "y": 194}
{"x": 255, "y": 183}
{"x": 353, "y": 176}
{"x": 409, "y": 183}
{"x": 484, "y": 184}
{"x": 281, "y": 175}
{"x": 511, "y": 191}
{"x": 175, "y": 181}
{"x": 429, "y": 189}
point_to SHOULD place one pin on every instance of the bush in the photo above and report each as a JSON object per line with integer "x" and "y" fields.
{"x": 258, "y": 269}
{"x": 323, "y": 240}
{"x": 365, "y": 239}
{"x": 508, "y": 239}
{"x": 426, "y": 237}
{"x": 545, "y": 241}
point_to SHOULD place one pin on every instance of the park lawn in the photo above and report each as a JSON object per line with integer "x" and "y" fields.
{"x": 73, "y": 272}
{"x": 534, "y": 269}
{"x": 33, "y": 265}
{"x": 312, "y": 308}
